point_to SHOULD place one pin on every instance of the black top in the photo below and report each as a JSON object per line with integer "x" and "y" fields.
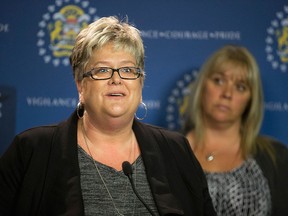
{"x": 277, "y": 175}
{"x": 40, "y": 175}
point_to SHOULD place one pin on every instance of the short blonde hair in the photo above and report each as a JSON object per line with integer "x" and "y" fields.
{"x": 106, "y": 30}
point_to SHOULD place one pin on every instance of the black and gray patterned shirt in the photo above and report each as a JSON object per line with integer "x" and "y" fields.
{"x": 244, "y": 191}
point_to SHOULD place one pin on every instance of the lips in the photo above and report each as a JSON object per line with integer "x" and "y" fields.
{"x": 223, "y": 107}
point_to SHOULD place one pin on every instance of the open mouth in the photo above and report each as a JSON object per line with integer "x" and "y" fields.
{"x": 117, "y": 94}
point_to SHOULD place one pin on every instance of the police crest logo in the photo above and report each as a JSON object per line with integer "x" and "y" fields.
{"x": 277, "y": 41}
{"x": 177, "y": 100}
{"x": 59, "y": 27}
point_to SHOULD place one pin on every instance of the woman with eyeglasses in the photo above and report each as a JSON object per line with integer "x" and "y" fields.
{"x": 247, "y": 173}
{"x": 76, "y": 167}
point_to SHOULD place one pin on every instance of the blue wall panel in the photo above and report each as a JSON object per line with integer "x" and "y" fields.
{"x": 36, "y": 85}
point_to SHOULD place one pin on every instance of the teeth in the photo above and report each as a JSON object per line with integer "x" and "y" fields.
{"x": 117, "y": 94}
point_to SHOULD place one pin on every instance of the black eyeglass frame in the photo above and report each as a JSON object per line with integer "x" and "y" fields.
{"x": 89, "y": 73}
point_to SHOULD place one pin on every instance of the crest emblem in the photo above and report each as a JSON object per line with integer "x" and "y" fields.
{"x": 277, "y": 41}
{"x": 59, "y": 28}
{"x": 178, "y": 101}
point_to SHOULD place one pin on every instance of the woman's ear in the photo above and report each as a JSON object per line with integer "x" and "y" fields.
{"x": 79, "y": 86}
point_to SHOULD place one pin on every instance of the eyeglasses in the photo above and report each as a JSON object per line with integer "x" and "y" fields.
{"x": 104, "y": 73}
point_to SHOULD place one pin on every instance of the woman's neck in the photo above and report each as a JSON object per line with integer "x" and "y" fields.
{"x": 213, "y": 136}
{"x": 108, "y": 147}
{"x": 107, "y": 128}
{"x": 219, "y": 149}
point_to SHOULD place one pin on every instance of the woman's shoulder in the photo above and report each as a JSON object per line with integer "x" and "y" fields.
{"x": 165, "y": 138}
{"x": 160, "y": 131}
{"x": 271, "y": 148}
{"x": 31, "y": 139}
{"x": 38, "y": 139}
{"x": 277, "y": 145}
{"x": 46, "y": 131}
{"x": 35, "y": 132}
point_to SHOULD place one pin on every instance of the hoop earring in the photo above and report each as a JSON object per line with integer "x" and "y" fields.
{"x": 80, "y": 110}
{"x": 145, "y": 107}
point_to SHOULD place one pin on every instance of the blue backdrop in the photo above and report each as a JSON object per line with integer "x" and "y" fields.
{"x": 36, "y": 37}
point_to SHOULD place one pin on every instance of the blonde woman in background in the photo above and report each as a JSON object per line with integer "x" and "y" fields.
{"x": 247, "y": 174}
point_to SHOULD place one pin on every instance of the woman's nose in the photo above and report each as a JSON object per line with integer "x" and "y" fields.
{"x": 227, "y": 91}
{"x": 115, "y": 79}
